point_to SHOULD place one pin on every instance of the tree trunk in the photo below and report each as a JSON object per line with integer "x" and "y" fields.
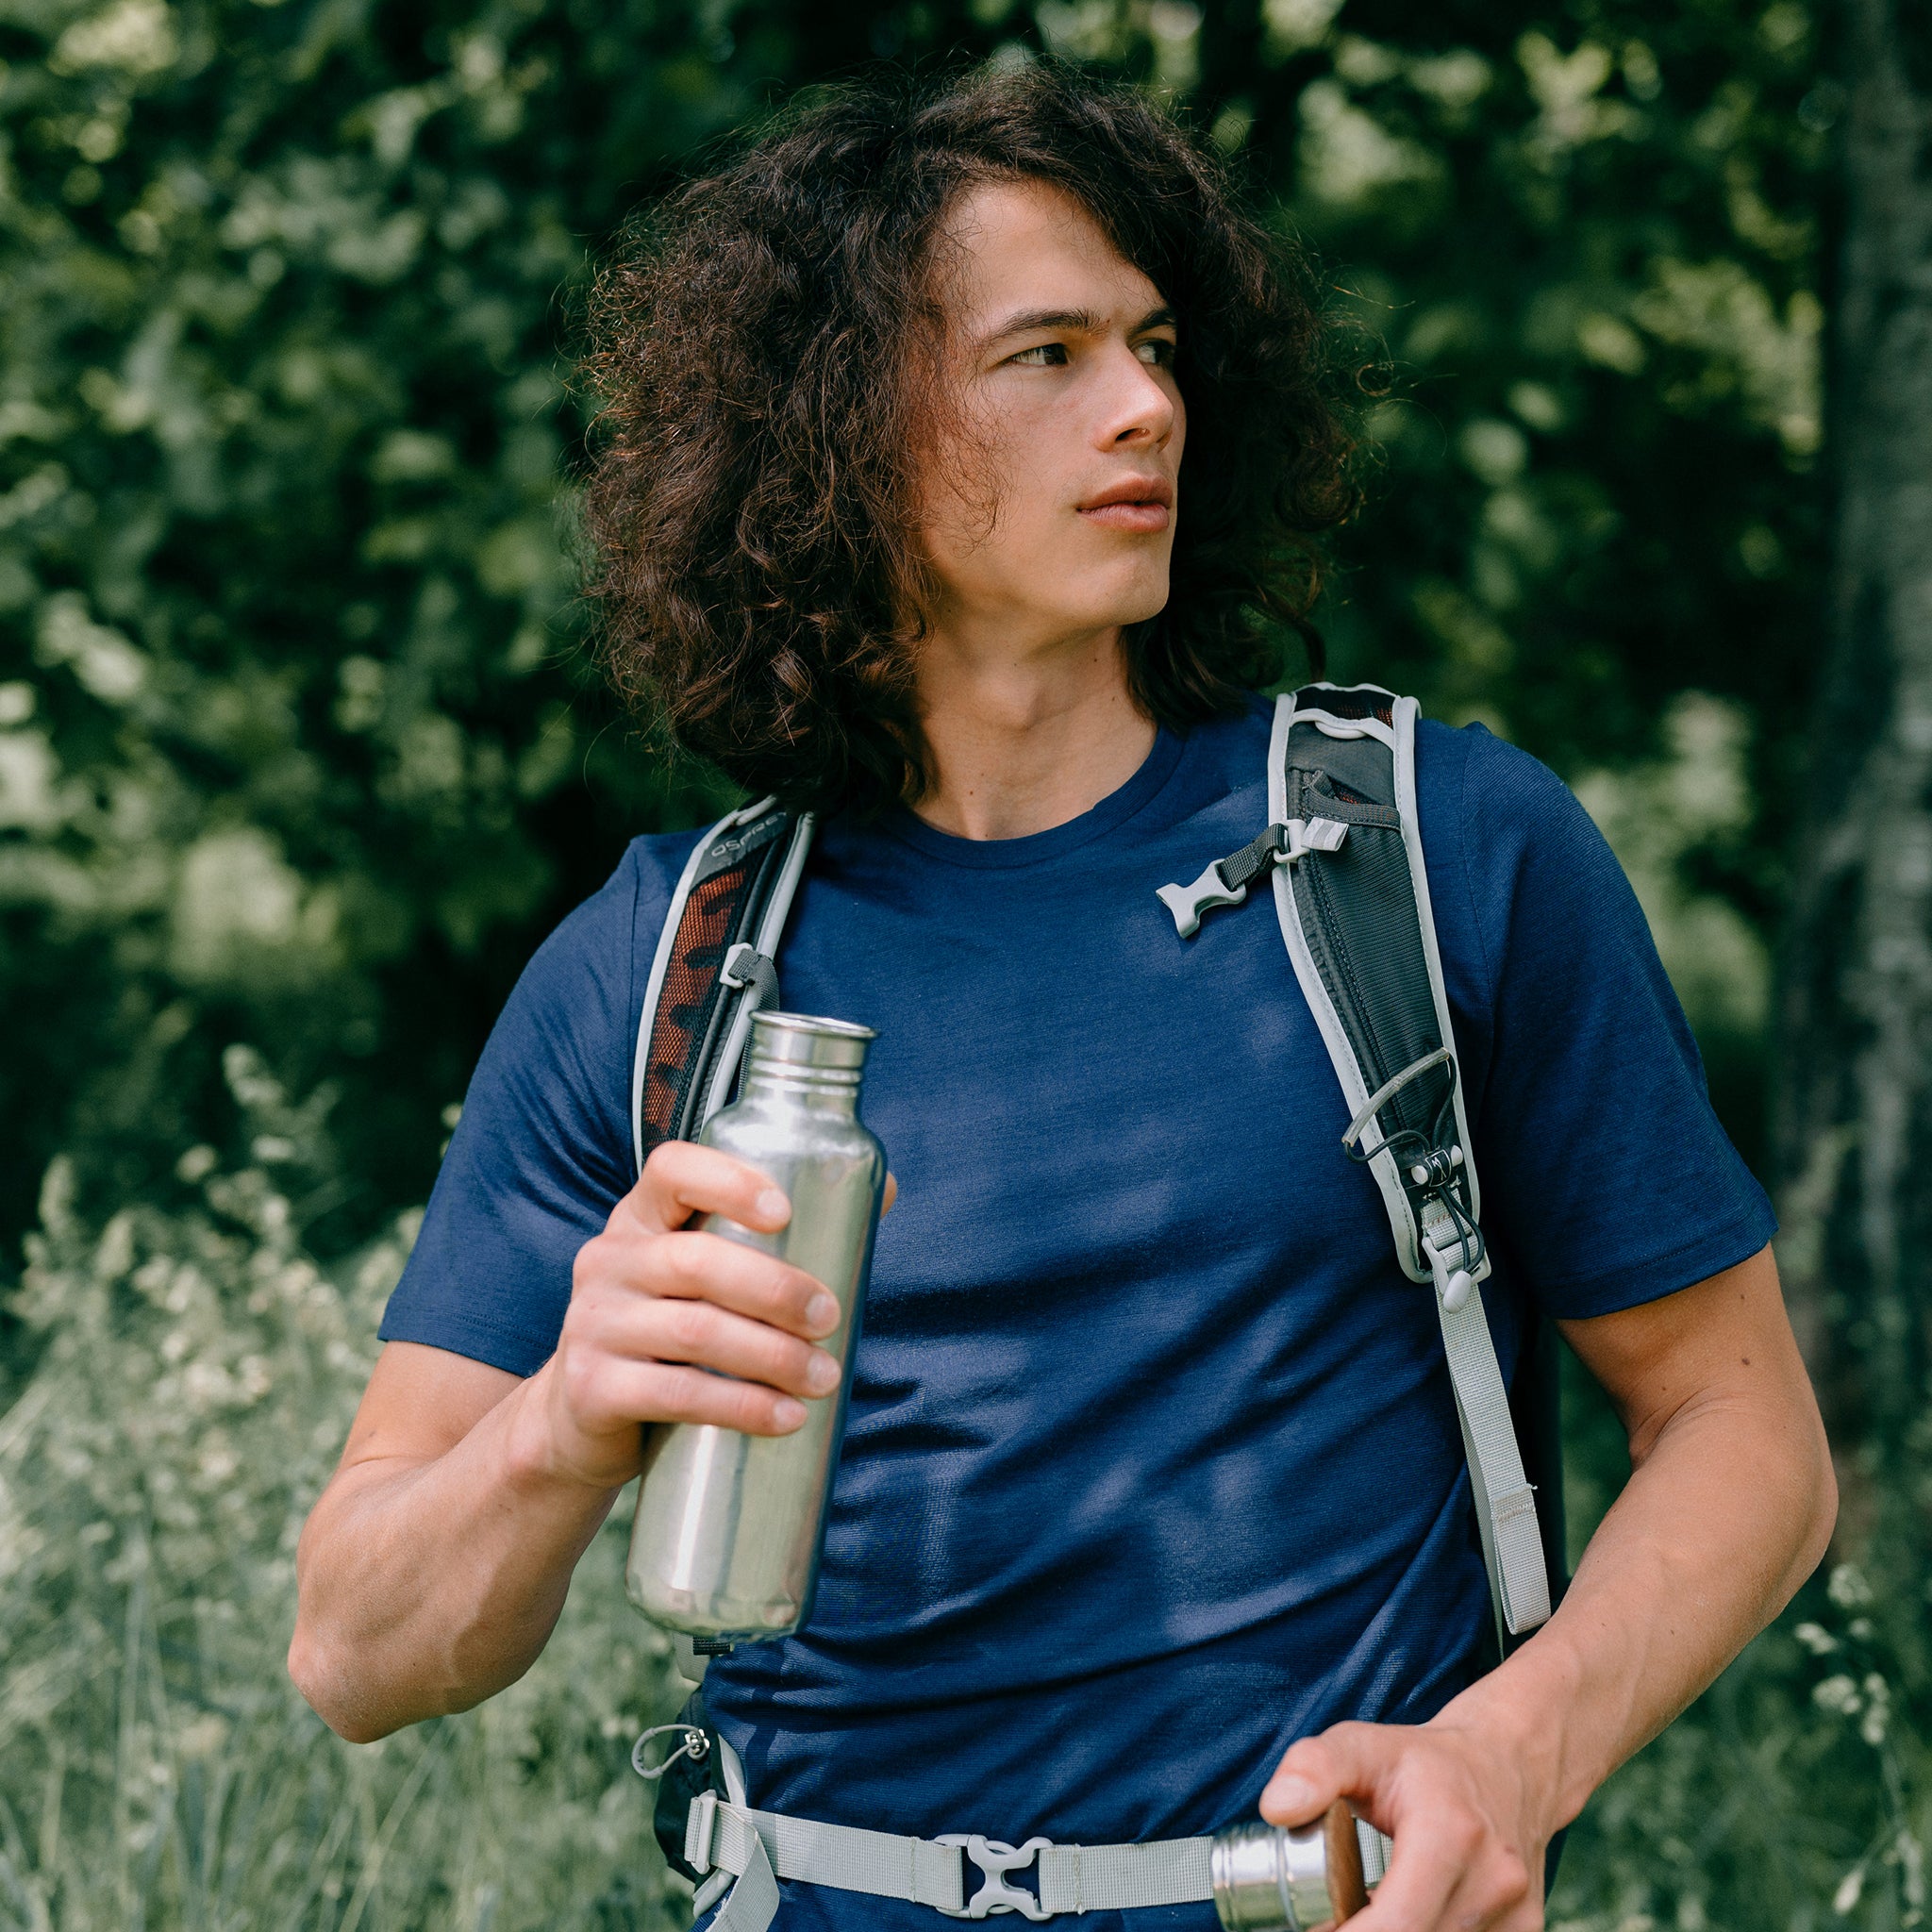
{"x": 1855, "y": 1094}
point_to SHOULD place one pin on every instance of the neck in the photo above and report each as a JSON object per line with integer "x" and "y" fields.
{"x": 1022, "y": 738}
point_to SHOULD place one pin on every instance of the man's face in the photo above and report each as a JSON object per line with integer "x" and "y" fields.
{"x": 1049, "y": 506}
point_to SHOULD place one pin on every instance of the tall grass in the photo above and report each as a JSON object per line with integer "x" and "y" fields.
{"x": 196, "y": 1374}
{"x": 1796, "y": 1794}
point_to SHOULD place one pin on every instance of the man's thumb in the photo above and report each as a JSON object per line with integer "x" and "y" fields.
{"x": 1314, "y": 1773}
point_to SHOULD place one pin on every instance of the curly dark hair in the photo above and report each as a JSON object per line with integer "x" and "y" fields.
{"x": 762, "y": 343}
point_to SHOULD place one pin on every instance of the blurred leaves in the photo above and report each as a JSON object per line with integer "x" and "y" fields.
{"x": 294, "y": 749}
{"x": 294, "y": 742}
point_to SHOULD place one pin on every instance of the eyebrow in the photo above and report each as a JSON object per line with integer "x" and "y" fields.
{"x": 1076, "y": 321}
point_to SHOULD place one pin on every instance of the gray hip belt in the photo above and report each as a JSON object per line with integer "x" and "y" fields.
{"x": 1256, "y": 1876}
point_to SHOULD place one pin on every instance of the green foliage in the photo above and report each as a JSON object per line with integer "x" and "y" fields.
{"x": 295, "y": 750}
{"x": 1588, "y": 240}
{"x": 1797, "y": 1793}
{"x": 198, "y": 1373}
{"x": 293, "y": 745}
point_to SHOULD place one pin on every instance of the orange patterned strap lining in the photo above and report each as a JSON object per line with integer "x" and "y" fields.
{"x": 726, "y": 905}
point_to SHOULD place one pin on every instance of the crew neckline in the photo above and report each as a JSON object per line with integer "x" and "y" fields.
{"x": 990, "y": 855}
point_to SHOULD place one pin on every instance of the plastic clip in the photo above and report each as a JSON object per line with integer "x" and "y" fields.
{"x": 1280, "y": 845}
{"x": 1187, "y": 903}
{"x": 748, "y": 969}
{"x": 1454, "y": 1285}
{"x": 995, "y": 1860}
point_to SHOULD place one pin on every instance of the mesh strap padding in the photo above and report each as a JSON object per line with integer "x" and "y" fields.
{"x": 1364, "y": 701}
{"x": 686, "y": 1005}
{"x": 726, "y": 902}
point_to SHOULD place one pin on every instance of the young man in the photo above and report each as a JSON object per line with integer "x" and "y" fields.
{"x": 963, "y": 459}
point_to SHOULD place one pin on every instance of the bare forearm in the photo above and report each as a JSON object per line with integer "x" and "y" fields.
{"x": 423, "y": 1586}
{"x": 1722, "y": 1519}
{"x": 435, "y": 1564}
{"x": 1729, "y": 1505}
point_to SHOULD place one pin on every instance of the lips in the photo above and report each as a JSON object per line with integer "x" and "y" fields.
{"x": 1140, "y": 505}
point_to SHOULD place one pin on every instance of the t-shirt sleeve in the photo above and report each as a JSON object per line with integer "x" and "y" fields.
{"x": 541, "y": 1153}
{"x": 1605, "y": 1171}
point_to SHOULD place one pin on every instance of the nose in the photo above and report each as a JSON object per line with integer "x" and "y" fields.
{"x": 1139, "y": 412}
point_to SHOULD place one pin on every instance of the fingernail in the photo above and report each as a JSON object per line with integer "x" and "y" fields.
{"x": 822, "y": 1371}
{"x": 822, "y": 1314}
{"x": 771, "y": 1204}
{"x": 1289, "y": 1794}
{"x": 787, "y": 1413}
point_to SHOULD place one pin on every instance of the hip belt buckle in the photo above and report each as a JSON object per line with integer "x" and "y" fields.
{"x": 995, "y": 1860}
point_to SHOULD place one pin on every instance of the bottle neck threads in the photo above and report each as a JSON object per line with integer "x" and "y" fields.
{"x": 798, "y": 1058}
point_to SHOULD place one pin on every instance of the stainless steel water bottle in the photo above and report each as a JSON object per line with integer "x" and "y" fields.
{"x": 1268, "y": 1878}
{"x": 725, "y": 1541}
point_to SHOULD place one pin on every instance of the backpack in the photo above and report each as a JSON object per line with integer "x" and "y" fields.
{"x": 1342, "y": 851}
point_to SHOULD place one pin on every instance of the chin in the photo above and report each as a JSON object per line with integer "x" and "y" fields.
{"x": 1132, "y": 600}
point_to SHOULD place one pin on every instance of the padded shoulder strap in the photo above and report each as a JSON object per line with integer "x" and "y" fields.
{"x": 1357, "y": 918}
{"x": 1362, "y": 935}
{"x": 714, "y": 968}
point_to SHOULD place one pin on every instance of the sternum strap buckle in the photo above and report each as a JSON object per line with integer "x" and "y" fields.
{"x": 1226, "y": 882}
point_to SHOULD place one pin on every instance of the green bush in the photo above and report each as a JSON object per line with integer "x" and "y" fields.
{"x": 196, "y": 1377}
{"x": 295, "y": 746}
{"x": 1796, "y": 1794}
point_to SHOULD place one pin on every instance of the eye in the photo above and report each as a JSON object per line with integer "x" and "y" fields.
{"x": 1043, "y": 356}
{"x": 1157, "y": 351}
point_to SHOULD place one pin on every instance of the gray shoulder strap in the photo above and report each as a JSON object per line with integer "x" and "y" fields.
{"x": 715, "y": 966}
{"x": 1343, "y": 845}
{"x": 1361, "y": 933}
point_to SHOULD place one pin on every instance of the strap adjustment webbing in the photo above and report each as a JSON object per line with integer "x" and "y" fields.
{"x": 736, "y": 1839}
{"x": 1505, "y": 1500}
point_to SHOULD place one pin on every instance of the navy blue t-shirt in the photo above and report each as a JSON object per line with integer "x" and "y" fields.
{"x": 1153, "y": 1464}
